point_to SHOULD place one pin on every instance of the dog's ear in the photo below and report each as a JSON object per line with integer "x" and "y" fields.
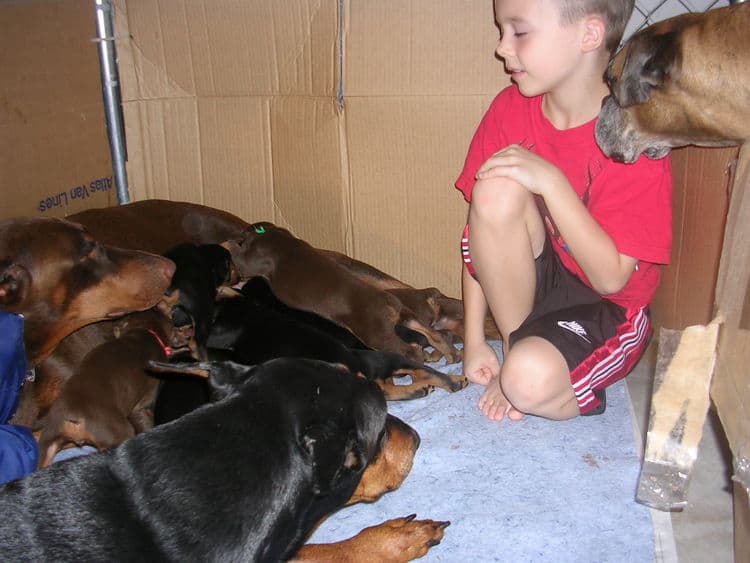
{"x": 664, "y": 60}
{"x": 333, "y": 455}
{"x": 652, "y": 62}
{"x": 15, "y": 281}
{"x": 226, "y": 377}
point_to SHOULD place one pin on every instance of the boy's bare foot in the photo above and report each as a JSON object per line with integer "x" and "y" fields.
{"x": 494, "y": 405}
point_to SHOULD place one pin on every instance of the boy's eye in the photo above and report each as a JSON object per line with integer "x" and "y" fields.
{"x": 519, "y": 33}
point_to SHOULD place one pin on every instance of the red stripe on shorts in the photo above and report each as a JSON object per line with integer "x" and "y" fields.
{"x": 465, "y": 255}
{"x": 613, "y": 360}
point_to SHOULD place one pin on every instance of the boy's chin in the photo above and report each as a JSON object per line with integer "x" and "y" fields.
{"x": 526, "y": 89}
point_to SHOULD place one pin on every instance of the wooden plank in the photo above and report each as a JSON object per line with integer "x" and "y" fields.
{"x": 679, "y": 404}
{"x": 731, "y": 387}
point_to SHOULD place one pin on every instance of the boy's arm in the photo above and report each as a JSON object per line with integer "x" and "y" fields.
{"x": 593, "y": 249}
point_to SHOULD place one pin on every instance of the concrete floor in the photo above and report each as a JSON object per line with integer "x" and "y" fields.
{"x": 703, "y": 531}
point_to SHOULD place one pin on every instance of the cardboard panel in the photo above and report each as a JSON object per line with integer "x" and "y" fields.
{"x": 310, "y": 194}
{"x": 168, "y": 142}
{"x": 232, "y": 47}
{"x": 214, "y": 151}
{"x": 435, "y": 47}
{"x": 405, "y": 153}
{"x": 701, "y": 178}
{"x": 235, "y": 153}
{"x": 54, "y": 156}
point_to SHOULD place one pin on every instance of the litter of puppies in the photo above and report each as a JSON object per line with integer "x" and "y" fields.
{"x": 194, "y": 386}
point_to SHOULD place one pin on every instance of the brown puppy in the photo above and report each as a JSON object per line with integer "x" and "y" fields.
{"x": 678, "y": 82}
{"x": 56, "y": 369}
{"x": 109, "y": 398}
{"x": 157, "y": 225}
{"x": 305, "y": 278}
{"x": 60, "y": 278}
{"x": 430, "y": 305}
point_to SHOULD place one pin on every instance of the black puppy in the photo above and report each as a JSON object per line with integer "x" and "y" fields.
{"x": 257, "y": 326}
{"x": 201, "y": 270}
{"x": 243, "y": 479}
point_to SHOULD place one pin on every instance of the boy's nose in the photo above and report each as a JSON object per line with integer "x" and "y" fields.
{"x": 503, "y": 49}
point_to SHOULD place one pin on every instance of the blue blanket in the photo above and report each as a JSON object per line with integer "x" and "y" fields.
{"x": 533, "y": 490}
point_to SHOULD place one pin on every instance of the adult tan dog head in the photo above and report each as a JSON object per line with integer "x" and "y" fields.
{"x": 682, "y": 81}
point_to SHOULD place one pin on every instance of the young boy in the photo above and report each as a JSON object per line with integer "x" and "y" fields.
{"x": 562, "y": 244}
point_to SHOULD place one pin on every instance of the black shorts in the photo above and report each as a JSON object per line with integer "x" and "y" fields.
{"x": 600, "y": 340}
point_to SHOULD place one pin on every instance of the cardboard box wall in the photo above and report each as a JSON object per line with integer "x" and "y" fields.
{"x": 54, "y": 156}
{"x": 346, "y": 122}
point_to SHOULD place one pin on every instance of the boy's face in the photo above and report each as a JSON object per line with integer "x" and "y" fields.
{"x": 539, "y": 52}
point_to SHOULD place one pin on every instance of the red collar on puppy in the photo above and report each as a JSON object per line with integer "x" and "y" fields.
{"x": 167, "y": 349}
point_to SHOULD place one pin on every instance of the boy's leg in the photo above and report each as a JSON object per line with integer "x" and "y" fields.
{"x": 506, "y": 234}
{"x": 535, "y": 379}
{"x": 561, "y": 360}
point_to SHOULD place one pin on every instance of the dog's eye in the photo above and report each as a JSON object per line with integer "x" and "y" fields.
{"x": 89, "y": 249}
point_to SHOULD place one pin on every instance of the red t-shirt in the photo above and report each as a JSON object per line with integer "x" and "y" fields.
{"x": 631, "y": 202}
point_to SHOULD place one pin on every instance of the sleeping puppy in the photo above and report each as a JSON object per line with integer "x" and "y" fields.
{"x": 243, "y": 479}
{"x": 255, "y": 326}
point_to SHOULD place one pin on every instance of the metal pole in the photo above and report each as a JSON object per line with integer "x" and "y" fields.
{"x": 111, "y": 94}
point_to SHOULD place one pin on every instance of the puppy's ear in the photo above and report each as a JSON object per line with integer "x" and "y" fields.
{"x": 226, "y": 377}
{"x": 15, "y": 281}
{"x": 333, "y": 456}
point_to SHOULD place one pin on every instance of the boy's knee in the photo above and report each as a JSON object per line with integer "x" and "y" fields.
{"x": 498, "y": 199}
{"x": 518, "y": 387}
{"x": 533, "y": 375}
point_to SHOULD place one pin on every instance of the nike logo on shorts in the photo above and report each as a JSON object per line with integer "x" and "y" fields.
{"x": 575, "y": 328}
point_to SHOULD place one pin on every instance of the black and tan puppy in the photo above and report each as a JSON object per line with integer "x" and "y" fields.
{"x": 243, "y": 479}
{"x": 680, "y": 81}
{"x": 255, "y": 327}
{"x": 201, "y": 270}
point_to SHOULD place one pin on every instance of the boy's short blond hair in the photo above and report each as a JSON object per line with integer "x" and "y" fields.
{"x": 615, "y": 13}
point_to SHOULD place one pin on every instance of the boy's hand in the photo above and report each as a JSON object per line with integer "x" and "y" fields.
{"x": 480, "y": 363}
{"x": 520, "y": 164}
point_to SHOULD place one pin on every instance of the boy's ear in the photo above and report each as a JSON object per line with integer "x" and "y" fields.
{"x": 594, "y": 33}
